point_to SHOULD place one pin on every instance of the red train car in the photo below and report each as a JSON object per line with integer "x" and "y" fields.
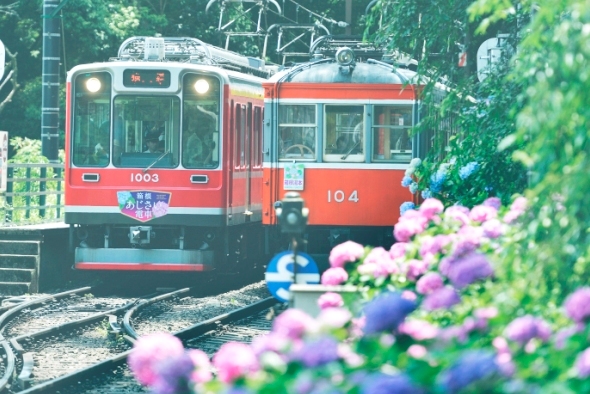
{"x": 337, "y": 130}
{"x": 164, "y": 157}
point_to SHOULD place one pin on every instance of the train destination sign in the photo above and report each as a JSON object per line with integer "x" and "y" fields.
{"x": 143, "y": 205}
{"x": 146, "y": 78}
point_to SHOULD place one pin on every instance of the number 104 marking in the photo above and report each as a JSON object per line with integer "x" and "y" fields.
{"x": 339, "y": 196}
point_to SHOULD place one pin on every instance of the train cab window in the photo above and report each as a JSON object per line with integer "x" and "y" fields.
{"x": 200, "y": 126}
{"x": 297, "y": 132}
{"x": 344, "y": 133}
{"x": 146, "y": 132}
{"x": 92, "y": 122}
{"x": 391, "y": 133}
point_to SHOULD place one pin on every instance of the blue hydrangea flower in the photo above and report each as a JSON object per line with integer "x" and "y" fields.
{"x": 413, "y": 187}
{"x": 475, "y": 369}
{"x": 468, "y": 169}
{"x": 379, "y": 383}
{"x": 407, "y": 181}
{"x": 386, "y": 312}
{"x": 174, "y": 375}
{"x": 406, "y": 206}
{"x": 426, "y": 194}
{"x": 437, "y": 180}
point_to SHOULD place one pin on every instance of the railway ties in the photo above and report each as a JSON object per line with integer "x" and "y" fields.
{"x": 70, "y": 369}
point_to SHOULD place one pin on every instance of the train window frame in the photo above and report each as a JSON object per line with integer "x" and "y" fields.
{"x": 307, "y": 141}
{"x": 403, "y": 121}
{"x": 139, "y": 124}
{"x": 353, "y": 134}
{"x": 200, "y": 134}
{"x": 90, "y": 137}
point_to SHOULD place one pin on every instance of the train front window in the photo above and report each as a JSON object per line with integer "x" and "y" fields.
{"x": 344, "y": 133}
{"x": 297, "y": 132}
{"x": 200, "y": 126}
{"x": 146, "y": 131}
{"x": 91, "y": 121}
{"x": 391, "y": 133}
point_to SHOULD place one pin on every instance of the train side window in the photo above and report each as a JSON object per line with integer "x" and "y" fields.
{"x": 91, "y": 125}
{"x": 344, "y": 133}
{"x": 257, "y": 138}
{"x": 391, "y": 129}
{"x": 297, "y": 132}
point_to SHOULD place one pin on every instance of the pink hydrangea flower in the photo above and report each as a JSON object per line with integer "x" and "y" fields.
{"x": 416, "y": 268}
{"x": 493, "y": 202}
{"x": 398, "y": 249}
{"x": 334, "y": 276}
{"x": 334, "y": 318}
{"x": 202, "y": 372}
{"x": 233, "y": 360}
{"x": 431, "y": 207}
{"x": 583, "y": 364}
{"x": 458, "y": 214}
{"x": 409, "y": 295}
{"x": 428, "y": 283}
{"x": 149, "y": 351}
{"x": 433, "y": 245}
{"x": 346, "y": 252}
{"x": 492, "y": 228}
{"x": 271, "y": 342}
{"x": 417, "y": 351}
{"x": 577, "y": 305}
{"x": 410, "y": 223}
{"x": 384, "y": 265}
{"x": 330, "y": 300}
{"x": 420, "y": 330}
{"x": 293, "y": 323}
{"x": 519, "y": 205}
{"x": 481, "y": 213}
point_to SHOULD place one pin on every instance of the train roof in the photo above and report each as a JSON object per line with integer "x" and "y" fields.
{"x": 330, "y": 71}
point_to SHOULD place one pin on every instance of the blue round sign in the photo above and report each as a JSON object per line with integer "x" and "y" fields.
{"x": 279, "y": 274}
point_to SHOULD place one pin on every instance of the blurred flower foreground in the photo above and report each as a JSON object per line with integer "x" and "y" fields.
{"x": 444, "y": 310}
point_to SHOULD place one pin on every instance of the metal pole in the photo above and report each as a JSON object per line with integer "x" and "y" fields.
{"x": 50, "y": 81}
{"x": 348, "y": 16}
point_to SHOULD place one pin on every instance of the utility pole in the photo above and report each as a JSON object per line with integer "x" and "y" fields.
{"x": 50, "y": 80}
{"x": 348, "y": 16}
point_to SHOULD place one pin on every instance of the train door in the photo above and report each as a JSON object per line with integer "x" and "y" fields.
{"x": 231, "y": 137}
{"x": 239, "y": 162}
{"x": 248, "y": 152}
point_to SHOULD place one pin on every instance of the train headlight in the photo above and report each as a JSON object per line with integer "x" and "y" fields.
{"x": 202, "y": 86}
{"x": 345, "y": 56}
{"x": 93, "y": 85}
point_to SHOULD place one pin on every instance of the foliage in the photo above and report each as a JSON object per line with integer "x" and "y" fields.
{"x": 473, "y": 117}
{"x": 407, "y": 336}
{"x": 28, "y": 151}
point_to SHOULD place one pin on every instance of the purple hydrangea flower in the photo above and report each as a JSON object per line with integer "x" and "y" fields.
{"x": 474, "y": 369}
{"x": 428, "y": 283}
{"x": 481, "y": 213}
{"x": 442, "y": 298}
{"x": 173, "y": 375}
{"x": 468, "y": 269}
{"x": 525, "y": 328}
{"x": 379, "y": 383}
{"x": 492, "y": 228}
{"x": 346, "y": 252}
{"x": 386, "y": 312}
{"x": 583, "y": 364}
{"x": 334, "y": 276}
{"x": 317, "y": 352}
{"x": 493, "y": 202}
{"x": 577, "y": 305}
{"x": 416, "y": 268}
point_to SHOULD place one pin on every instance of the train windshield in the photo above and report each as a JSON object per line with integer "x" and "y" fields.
{"x": 344, "y": 132}
{"x": 297, "y": 131}
{"x": 200, "y": 127}
{"x": 146, "y": 131}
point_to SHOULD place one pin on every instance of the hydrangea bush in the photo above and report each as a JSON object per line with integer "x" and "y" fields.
{"x": 435, "y": 316}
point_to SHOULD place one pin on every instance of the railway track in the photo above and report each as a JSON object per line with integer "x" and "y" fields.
{"x": 86, "y": 351}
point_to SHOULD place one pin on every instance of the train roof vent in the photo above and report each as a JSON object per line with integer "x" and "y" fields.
{"x": 153, "y": 48}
